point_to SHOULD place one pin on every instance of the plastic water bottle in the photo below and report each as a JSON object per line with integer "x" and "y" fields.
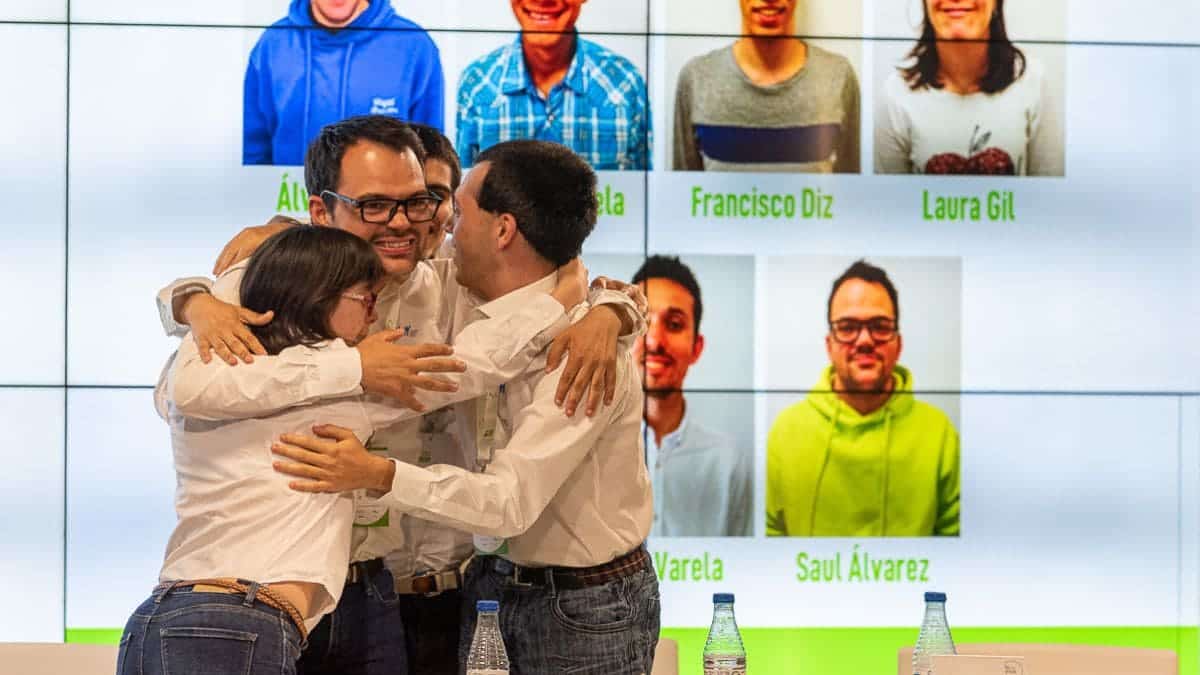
{"x": 934, "y": 638}
{"x": 487, "y": 655}
{"x": 723, "y": 652}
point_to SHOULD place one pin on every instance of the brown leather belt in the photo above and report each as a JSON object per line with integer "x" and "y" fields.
{"x": 265, "y": 594}
{"x": 429, "y": 584}
{"x": 573, "y": 578}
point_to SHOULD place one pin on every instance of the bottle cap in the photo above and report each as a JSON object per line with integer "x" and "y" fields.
{"x": 932, "y": 596}
{"x": 723, "y": 598}
{"x": 487, "y": 606}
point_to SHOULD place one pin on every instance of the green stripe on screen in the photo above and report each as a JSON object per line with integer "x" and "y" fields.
{"x": 859, "y": 651}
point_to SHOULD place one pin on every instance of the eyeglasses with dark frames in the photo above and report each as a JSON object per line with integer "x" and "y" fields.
{"x": 380, "y": 211}
{"x": 880, "y": 328}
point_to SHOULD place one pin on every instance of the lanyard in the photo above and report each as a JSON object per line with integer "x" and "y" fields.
{"x": 486, "y": 418}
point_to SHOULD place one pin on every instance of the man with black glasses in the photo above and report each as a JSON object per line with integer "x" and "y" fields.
{"x": 859, "y": 456}
{"x": 560, "y": 506}
{"x": 365, "y": 176}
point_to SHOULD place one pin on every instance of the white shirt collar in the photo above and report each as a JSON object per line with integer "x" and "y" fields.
{"x": 511, "y": 302}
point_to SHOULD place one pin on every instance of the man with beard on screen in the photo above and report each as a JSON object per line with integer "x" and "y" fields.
{"x": 860, "y": 456}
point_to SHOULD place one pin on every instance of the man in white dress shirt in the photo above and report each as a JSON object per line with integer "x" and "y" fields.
{"x": 353, "y": 163}
{"x": 560, "y": 506}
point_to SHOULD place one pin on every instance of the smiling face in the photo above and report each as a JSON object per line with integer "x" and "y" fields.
{"x": 353, "y": 313}
{"x": 371, "y": 170}
{"x": 961, "y": 19}
{"x": 474, "y": 232}
{"x": 545, "y": 22}
{"x": 671, "y": 344}
{"x": 864, "y": 364}
{"x": 336, "y": 13}
{"x": 768, "y": 17}
{"x": 437, "y": 179}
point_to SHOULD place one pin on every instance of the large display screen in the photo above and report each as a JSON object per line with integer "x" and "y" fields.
{"x": 1023, "y": 172}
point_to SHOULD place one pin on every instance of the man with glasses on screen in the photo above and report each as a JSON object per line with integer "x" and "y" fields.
{"x": 560, "y": 506}
{"x": 332, "y": 59}
{"x": 365, "y": 176}
{"x": 551, "y": 84}
{"x": 859, "y": 456}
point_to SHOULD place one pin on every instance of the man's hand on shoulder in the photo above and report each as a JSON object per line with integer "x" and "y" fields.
{"x": 248, "y": 240}
{"x": 220, "y": 326}
{"x": 334, "y": 461}
{"x": 394, "y": 370}
{"x": 591, "y": 348}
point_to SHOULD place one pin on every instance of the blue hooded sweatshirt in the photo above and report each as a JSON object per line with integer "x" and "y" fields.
{"x": 302, "y": 76}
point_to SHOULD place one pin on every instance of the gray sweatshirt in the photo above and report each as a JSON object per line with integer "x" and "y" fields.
{"x": 808, "y": 123}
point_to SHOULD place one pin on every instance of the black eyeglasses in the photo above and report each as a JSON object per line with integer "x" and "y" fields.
{"x": 380, "y": 211}
{"x": 880, "y": 328}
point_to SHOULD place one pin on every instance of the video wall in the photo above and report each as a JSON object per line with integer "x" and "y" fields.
{"x": 1032, "y": 198}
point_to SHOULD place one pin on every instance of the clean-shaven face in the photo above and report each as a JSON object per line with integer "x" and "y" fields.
{"x": 961, "y": 19}
{"x": 354, "y": 313}
{"x": 768, "y": 17}
{"x": 544, "y": 21}
{"x": 437, "y": 180}
{"x": 337, "y": 13}
{"x": 474, "y": 243}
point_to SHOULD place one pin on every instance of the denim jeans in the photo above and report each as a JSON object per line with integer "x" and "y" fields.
{"x": 178, "y": 632}
{"x": 362, "y": 636}
{"x": 609, "y": 629}
{"x": 431, "y": 627}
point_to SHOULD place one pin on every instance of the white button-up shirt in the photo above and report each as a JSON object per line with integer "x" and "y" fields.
{"x": 427, "y": 305}
{"x": 568, "y": 491}
{"x": 703, "y": 483}
{"x": 237, "y": 516}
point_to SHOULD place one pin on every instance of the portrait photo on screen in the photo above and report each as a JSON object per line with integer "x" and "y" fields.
{"x": 869, "y": 446}
{"x": 326, "y": 60}
{"x": 552, "y": 80}
{"x": 966, "y": 96}
{"x": 769, "y": 96}
{"x": 699, "y": 444}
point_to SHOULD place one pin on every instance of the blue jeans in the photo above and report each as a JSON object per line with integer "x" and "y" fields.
{"x": 178, "y": 632}
{"x": 608, "y": 629}
{"x": 362, "y": 636}
{"x": 431, "y": 627}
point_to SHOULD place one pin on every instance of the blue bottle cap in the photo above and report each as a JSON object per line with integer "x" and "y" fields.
{"x": 723, "y": 598}
{"x": 487, "y": 606}
{"x": 932, "y": 596}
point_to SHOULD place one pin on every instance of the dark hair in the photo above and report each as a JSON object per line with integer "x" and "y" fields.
{"x": 438, "y": 147}
{"x": 549, "y": 190}
{"x": 300, "y": 273}
{"x": 323, "y": 162}
{"x": 1005, "y": 61}
{"x": 670, "y": 267}
{"x": 869, "y": 273}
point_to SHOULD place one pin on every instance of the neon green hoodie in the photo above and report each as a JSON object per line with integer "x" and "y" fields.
{"x": 834, "y": 472}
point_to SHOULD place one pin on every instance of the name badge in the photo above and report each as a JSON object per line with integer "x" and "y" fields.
{"x": 368, "y": 511}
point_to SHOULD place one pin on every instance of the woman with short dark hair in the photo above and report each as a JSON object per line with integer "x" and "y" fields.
{"x": 253, "y": 565}
{"x": 968, "y": 102}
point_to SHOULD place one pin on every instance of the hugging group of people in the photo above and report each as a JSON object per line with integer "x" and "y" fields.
{"x": 394, "y": 427}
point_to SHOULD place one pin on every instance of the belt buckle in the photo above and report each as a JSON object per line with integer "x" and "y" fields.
{"x": 516, "y": 578}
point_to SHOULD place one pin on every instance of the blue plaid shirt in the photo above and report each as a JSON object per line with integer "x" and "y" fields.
{"x": 600, "y": 109}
